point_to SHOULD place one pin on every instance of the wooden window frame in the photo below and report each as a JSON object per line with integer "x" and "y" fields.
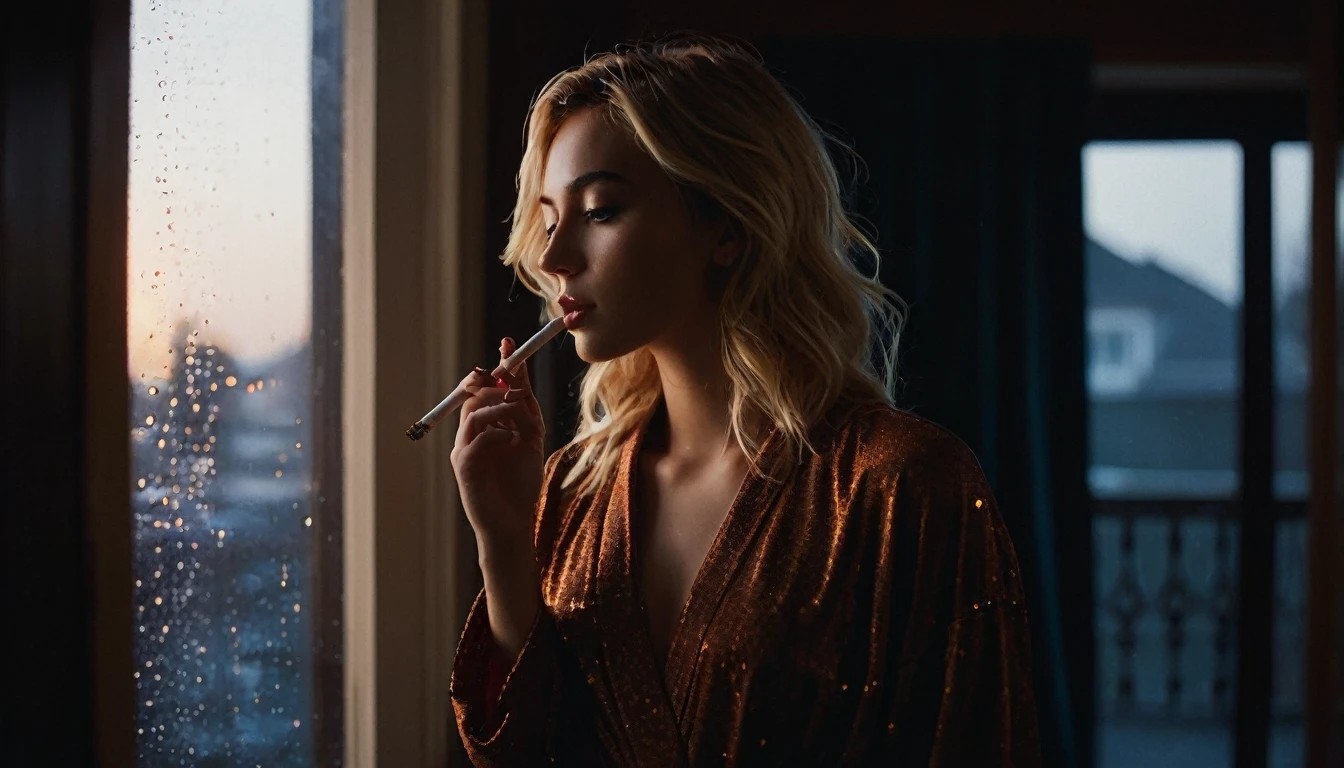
{"x": 414, "y": 279}
{"x": 410, "y": 287}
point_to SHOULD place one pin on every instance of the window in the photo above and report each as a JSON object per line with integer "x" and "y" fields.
{"x": 1290, "y": 231}
{"x": 1190, "y": 212}
{"x": 237, "y": 572}
{"x": 1290, "y": 164}
{"x": 1163, "y": 231}
{"x": 1121, "y": 349}
{"x": 1162, "y": 222}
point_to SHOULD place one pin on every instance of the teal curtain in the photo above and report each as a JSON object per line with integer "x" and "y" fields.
{"x": 972, "y": 182}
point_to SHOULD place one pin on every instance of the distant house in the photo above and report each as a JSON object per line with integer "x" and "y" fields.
{"x": 1164, "y": 382}
{"x": 1164, "y": 378}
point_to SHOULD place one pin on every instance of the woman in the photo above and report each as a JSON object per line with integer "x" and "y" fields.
{"x": 746, "y": 554}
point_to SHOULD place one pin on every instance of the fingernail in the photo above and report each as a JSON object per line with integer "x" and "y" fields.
{"x": 481, "y": 371}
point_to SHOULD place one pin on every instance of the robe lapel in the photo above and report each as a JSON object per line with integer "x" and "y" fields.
{"x": 653, "y": 703}
{"x": 726, "y": 555}
{"x": 745, "y": 514}
{"x": 645, "y": 711}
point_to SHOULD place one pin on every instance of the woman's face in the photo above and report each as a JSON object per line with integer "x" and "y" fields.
{"x": 622, "y": 242}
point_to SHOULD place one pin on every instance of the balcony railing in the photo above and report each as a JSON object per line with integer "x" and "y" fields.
{"x": 1166, "y": 610}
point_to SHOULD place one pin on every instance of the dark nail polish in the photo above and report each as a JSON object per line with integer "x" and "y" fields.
{"x": 481, "y": 370}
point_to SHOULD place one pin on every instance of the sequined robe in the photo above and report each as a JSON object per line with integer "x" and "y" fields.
{"x": 862, "y": 608}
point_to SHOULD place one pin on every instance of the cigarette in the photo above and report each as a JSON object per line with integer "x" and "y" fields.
{"x": 461, "y": 394}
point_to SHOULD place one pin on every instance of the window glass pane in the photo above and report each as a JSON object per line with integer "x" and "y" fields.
{"x": 228, "y": 628}
{"x": 1164, "y": 262}
{"x": 1291, "y": 223}
{"x": 1163, "y": 223}
{"x": 1290, "y": 201}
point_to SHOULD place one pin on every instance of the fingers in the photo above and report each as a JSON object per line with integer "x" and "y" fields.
{"x": 518, "y": 381}
{"x": 499, "y": 387}
{"x": 483, "y": 392}
{"x": 492, "y": 438}
{"x": 478, "y": 379}
{"x": 481, "y": 399}
{"x": 493, "y": 378}
{"x": 514, "y": 417}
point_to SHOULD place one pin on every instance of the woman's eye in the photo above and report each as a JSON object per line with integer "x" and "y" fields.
{"x": 600, "y": 214}
{"x": 604, "y": 213}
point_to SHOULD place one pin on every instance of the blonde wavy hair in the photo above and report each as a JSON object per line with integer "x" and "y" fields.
{"x": 799, "y": 321}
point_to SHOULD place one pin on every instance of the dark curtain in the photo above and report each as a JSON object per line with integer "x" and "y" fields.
{"x": 971, "y": 179}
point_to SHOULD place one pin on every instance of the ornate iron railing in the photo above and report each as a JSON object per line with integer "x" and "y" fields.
{"x": 1166, "y": 608}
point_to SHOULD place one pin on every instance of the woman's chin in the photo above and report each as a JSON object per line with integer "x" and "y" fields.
{"x": 588, "y": 352}
{"x": 583, "y": 345}
{"x": 592, "y": 348}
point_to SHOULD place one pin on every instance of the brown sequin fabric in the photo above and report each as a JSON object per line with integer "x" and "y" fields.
{"x": 863, "y": 607}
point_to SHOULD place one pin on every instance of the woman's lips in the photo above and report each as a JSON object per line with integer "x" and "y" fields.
{"x": 575, "y": 309}
{"x": 576, "y": 318}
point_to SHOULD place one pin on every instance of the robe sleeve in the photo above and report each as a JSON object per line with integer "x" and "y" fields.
{"x": 538, "y": 711}
{"x": 537, "y": 716}
{"x": 963, "y": 667}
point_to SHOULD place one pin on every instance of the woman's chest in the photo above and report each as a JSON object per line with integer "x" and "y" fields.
{"x": 787, "y": 593}
{"x": 674, "y": 528}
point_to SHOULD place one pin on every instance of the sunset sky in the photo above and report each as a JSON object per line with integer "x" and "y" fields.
{"x": 220, "y": 189}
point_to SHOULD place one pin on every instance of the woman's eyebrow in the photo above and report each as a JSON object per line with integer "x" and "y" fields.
{"x": 584, "y": 180}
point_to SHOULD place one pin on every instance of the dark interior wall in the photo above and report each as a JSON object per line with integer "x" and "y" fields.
{"x": 531, "y": 41}
{"x": 1131, "y": 32}
{"x": 68, "y": 692}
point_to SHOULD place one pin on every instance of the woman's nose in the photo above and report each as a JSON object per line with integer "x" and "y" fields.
{"x": 560, "y": 257}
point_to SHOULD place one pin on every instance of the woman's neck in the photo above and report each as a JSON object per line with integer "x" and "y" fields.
{"x": 692, "y": 426}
